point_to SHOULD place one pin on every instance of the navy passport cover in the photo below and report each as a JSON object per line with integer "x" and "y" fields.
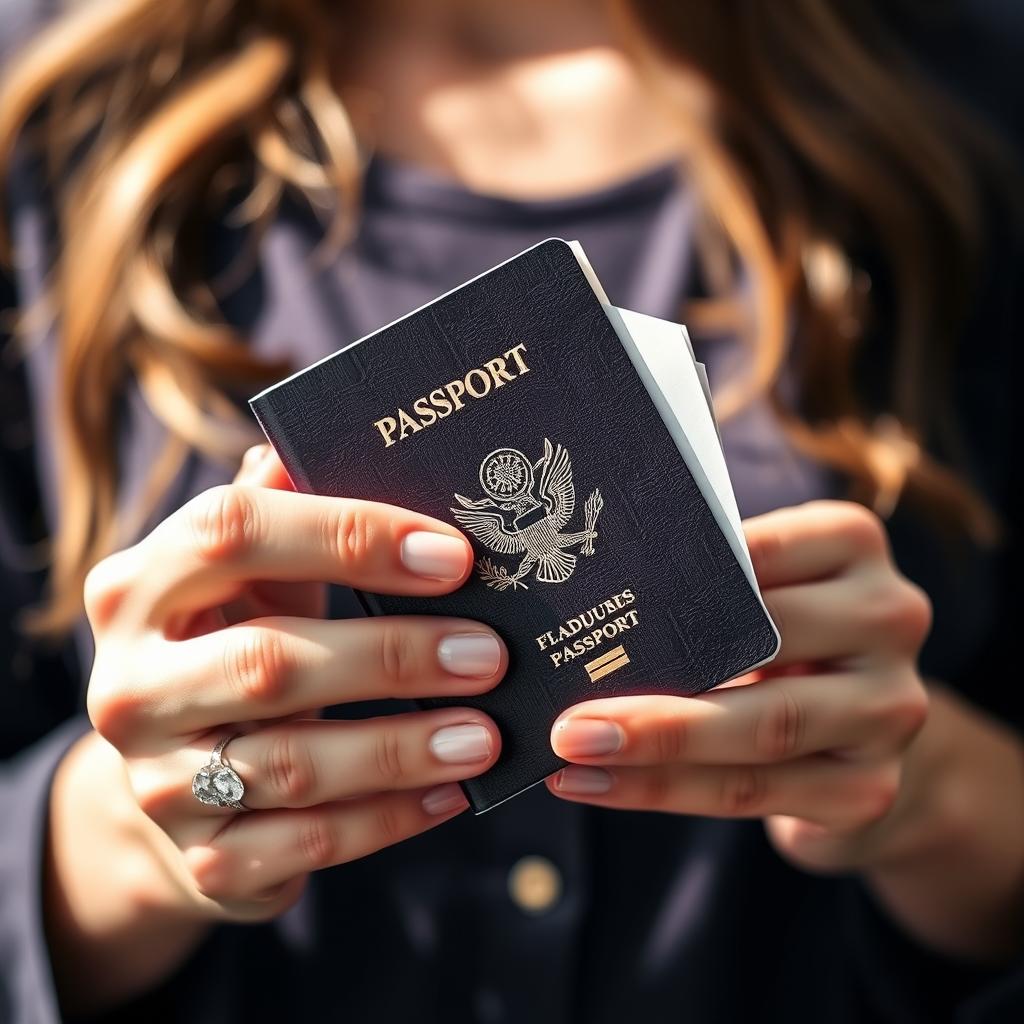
{"x": 660, "y": 605}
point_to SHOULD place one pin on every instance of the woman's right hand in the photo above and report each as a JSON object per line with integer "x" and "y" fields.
{"x": 212, "y": 626}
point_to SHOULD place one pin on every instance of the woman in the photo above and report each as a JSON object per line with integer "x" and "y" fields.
{"x": 191, "y": 212}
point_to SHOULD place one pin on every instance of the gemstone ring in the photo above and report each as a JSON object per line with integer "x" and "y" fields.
{"x": 217, "y": 784}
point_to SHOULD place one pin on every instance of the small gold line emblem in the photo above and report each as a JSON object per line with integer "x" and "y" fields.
{"x": 607, "y": 656}
{"x": 608, "y": 667}
{"x": 609, "y": 662}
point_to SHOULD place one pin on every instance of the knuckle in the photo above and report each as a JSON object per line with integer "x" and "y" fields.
{"x": 350, "y": 534}
{"x": 256, "y": 664}
{"x": 101, "y": 707}
{"x": 656, "y": 791}
{"x": 102, "y": 593}
{"x": 94, "y": 589}
{"x": 397, "y": 655}
{"x": 909, "y": 705}
{"x": 914, "y": 613}
{"x": 289, "y": 769}
{"x": 388, "y": 756}
{"x": 880, "y": 792}
{"x": 388, "y": 824}
{"x": 779, "y": 727}
{"x": 744, "y": 791}
{"x": 223, "y": 522}
{"x": 668, "y": 741}
{"x": 897, "y": 608}
{"x": 862, "y": 527}
{"x": 113, "y": 709}
{"x": 319, "y": 843}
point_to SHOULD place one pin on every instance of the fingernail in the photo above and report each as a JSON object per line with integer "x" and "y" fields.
{"x": 461, "y": 744}
{"x": 583, "y": 779}
{"x": 444, "y": 799}
{"x": 253, "y": 456}
{"x": 434, "y": 555}
{"x": 470, "y": 654}
{"x": 252, "y": 460}
{"x": 586, "y": 737}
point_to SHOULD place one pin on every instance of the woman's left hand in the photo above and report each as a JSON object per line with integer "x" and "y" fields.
{"x": 816, "y": 743}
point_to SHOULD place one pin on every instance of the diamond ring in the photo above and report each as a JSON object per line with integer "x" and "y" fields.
{"x": 217, "y": 784}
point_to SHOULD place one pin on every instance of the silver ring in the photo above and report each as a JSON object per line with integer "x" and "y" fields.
{"x": 217, "y": 784}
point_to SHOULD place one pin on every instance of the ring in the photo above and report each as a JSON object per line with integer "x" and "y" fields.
{"x": 217, "y": 784}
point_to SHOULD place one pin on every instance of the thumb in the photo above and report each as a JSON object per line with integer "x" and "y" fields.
{"x": 261, "y": 467}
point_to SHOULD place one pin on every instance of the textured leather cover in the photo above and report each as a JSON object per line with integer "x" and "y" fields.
{"x": 694, "y": 620}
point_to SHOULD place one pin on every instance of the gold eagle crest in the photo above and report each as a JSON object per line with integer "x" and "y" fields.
{"x": 525, "y": 508}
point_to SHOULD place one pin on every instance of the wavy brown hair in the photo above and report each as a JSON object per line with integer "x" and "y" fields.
{"x": 820, "y": 139}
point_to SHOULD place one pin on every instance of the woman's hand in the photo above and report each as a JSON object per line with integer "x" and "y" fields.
{"x": 817, "y": 743}
{"x": 835, "y": 745}
{"x": 211, "y": 621}
{"x": 211, "y": 626}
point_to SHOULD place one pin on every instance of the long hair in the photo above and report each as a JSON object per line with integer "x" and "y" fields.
{"x": 820, "y": 140}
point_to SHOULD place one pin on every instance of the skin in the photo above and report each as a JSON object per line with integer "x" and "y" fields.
{"x": 215, "y": 618}
{"x": 853, "y": 762}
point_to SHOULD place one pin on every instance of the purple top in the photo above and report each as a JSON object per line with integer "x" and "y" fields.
{"x": 660, "y": 918}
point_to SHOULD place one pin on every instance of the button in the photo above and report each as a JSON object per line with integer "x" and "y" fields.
{"x": 534, "y": 884}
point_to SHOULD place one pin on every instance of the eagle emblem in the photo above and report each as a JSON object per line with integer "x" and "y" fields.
{"x": 525, "y": 508}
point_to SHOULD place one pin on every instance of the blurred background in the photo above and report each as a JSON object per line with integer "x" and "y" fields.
{"x": 201, "y": 196}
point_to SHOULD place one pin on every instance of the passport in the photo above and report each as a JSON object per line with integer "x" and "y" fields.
{"x": 574, "y": 444}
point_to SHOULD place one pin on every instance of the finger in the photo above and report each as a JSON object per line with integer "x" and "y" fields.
{"x": 814, "y": 848}
{"x": 261, "y": 467}
{"x": 257, "y": 852}
{"x": 309, "y": 762}
{"x": 871, "y": 612}
{"x": 812, "y": 541}
{"x": 777, "y": 719}
{"x": 248, "y": 467}
{"x": 829, "y": 793}
{"x": 278, "y": 666}
{"x": 208, "y": 550}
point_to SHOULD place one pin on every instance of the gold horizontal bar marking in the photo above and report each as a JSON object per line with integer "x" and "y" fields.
{"x": 607, "y": 656}
{"x": 608, "y": 667}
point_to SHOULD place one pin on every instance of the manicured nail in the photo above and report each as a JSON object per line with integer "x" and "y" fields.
{"x": 583, "y": 780}
{"x": 470, "y": 654}
{"x": 586, "y": 737}
{"x": 434, "y": 555}
{"x": 444, "y": 799}
{"x": 461, "y": 744}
